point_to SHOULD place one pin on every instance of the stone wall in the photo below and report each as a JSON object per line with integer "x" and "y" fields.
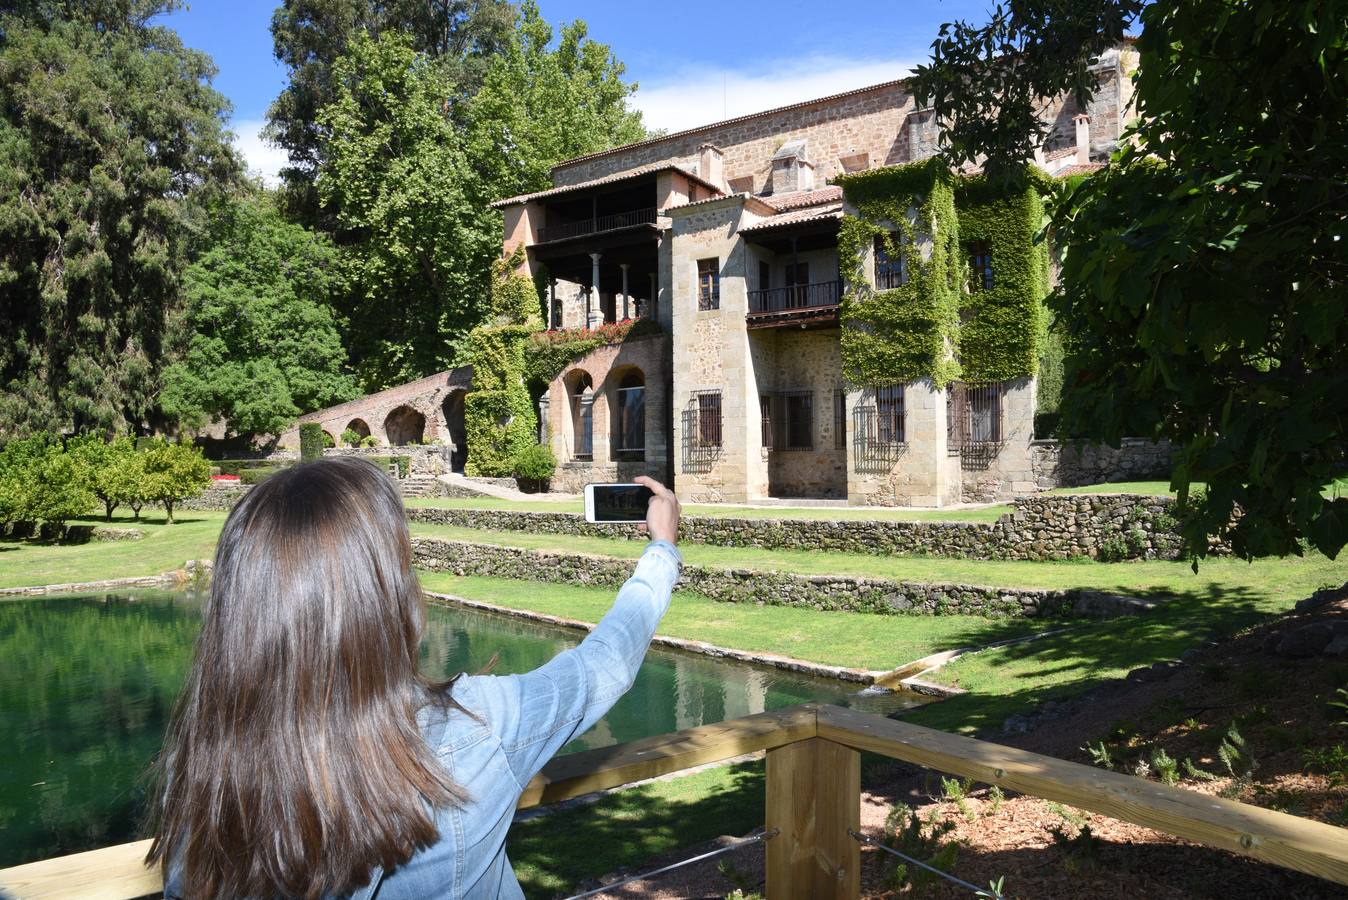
{"x": 424, "y": 461}
{"x": 1066, "y": 464}
{"x": 219, "y": 496}
{"x": 1098, "y": 526}
{"x": 821, "y": 592}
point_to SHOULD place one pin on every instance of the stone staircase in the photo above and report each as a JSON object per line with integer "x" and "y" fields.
{"x": 422, "y": 486}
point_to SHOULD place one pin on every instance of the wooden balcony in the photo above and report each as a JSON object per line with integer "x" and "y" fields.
{"x": 801, "y": 305}
{"x": 813, "y": 801}
{"x": 596, "y": 225}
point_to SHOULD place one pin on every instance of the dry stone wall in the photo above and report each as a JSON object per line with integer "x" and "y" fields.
{"x": 821, "y": 592}
{"x": 1065, "y": 464}
{"x": 1097, "y": 526}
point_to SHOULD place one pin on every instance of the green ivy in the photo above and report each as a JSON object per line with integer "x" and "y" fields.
{"x": 547, "y": 353}
{"x": 932, "y": 326}
{"x": 901, "y": 334}
{"x": 311, "y": 441}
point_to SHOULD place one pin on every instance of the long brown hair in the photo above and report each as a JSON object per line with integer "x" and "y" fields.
{"x": 294, "y": 763}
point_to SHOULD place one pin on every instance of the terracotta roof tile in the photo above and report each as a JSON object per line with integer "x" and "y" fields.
{"x": 607, "y": 179}
{"x": 804, "y": 198}
{"x": 798, "y": 217}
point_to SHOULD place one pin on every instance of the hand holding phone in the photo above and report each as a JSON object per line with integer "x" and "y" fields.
{"x": 643, "y": 500}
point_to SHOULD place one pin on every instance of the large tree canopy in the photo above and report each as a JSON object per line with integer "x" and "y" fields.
{"x": 109, "y": 135}
{"x": 1202, "y": 288}
{"x": 264, "y": 345}
{"x": 540, "y": 104}
{"x": 311, "y": 35}
{"x": 415, "y": 247}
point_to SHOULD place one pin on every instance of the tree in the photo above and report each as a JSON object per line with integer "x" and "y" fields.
{"x": 415, "y": 245}
{"x": 110, "y": 136}
{"x": 110, "y": 470}
{"x": 173, "y": 472}
{"x": 264, "y": 343}
{"x": 309, "y": 36}
{"x": 1202, "y": 272}
{"x": 539, "y": 105}
{"x": 40, "y": 482}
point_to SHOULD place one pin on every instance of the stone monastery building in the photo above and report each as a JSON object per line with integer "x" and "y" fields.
{"x": 728, "y": 236}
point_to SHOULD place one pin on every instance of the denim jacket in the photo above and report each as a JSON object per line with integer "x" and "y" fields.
{"x": 522, "y": 720}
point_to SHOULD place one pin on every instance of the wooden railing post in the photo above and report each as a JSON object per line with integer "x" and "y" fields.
{"x": 814, "y": 797}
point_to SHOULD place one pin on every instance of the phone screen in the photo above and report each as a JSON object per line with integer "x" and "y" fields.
{"x": 620, "y": 502}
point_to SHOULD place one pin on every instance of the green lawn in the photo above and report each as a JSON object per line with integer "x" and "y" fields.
{"x": 976, "y": 514}
{"x": 163, "y": 549}
{"x": 1150, "y": 488}
{"x": 858, "y": 640}
{"x": 1277, "y": 579}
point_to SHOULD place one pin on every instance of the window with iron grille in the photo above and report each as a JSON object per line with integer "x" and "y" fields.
{"x": 701, "y": 431}
{"x": 889, "y": 270}
{"x": 629, "y": 437}
{"x": 708, "y": 284}
{"x": 797, "y": 421}
{"x": 974, "y": 414}
{"x": 980, "y": 267}
{"x": 765, "y": 412}
{"x": 889, "y": 414}
{"x": 839, "y": 419}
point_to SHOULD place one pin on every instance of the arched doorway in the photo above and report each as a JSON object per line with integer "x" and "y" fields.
{"x": 359, "y": 427}
{"x": 458, "y": 434}
{"x": 580, "y": 399}
{"x": 404, "y": 425}
{"x": 627, "y": 416}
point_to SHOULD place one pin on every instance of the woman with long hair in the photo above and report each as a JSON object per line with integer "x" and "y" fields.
{"x": 307, "y": 755}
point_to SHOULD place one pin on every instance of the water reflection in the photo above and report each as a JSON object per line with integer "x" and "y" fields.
{"x": 87, "y": 685}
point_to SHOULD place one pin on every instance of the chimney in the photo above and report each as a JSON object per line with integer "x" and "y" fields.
{"x": 1083, "y": 138}
{"x": 787, "y": 165}
{"x": 710, "y": 166}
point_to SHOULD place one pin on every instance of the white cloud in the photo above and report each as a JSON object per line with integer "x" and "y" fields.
{"x": 260, "y": 157}
{"x": 699, "y": 95}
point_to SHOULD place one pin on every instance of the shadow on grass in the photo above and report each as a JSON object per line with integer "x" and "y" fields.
{"x": 554, "y": 854}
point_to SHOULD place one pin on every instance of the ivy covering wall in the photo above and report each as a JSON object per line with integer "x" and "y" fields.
{"x": 498, "y": 415}
{"x": 933, "y": 326}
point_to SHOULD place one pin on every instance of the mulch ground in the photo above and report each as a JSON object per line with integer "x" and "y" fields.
{"x": 1274, "y": 711}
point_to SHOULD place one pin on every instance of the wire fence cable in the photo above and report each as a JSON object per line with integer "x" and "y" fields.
{"x": 978, "y": 891}
{"x": 720, "y": 851}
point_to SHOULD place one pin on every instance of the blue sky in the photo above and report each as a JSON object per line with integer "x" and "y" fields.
{"x": 695, "y": 61}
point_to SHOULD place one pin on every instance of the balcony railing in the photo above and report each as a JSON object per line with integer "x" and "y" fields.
{"x": 596, "y": 225}
{"x": 813, "y": 801}
{"x": 820, "y": 295}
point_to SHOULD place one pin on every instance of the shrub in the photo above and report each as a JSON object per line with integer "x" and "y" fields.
{"x": 41, "y": 482}
{"x": 311, "y": 442}
{"x": 352, "y": 438}
{"x": 174, "y": 472}
{"x": 259, "y": 473}
{"x": 404, "y": 463}
{"x": 369, "y": 441}
{"x": 327, "y": 441}
{"x": 535, "y": 463}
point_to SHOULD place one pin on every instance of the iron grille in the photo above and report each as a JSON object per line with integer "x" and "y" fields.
{"x": 797, "y": 296}
{"x": 975, "y": 426}
{"x": 702, "y": 431}
{"x": 839, "y": 419}
{"x": 878, "y": 428}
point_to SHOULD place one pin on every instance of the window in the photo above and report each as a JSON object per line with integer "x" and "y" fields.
{"x": 791, "y": 424}
{"x": 985, "y": 414}
{"x": 709, "y": 419}
{"x": 765, "y": 411}
{"x": 797, "y": 274}
{"x": 839, "y": 419}
{"x": 980, "y": 267}
{"x": 582, "y": 416}
{"x": 889, "y": 413}
{"x": 708, "y": 284}
{"x": 629, "y": 437}
{"x": 889, "y": 270}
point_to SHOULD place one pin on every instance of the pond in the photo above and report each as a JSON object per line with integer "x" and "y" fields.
{"x": 87, "y": 684}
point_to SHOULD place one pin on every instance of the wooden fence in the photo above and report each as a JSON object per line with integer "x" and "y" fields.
{"x": 813, "y": 798}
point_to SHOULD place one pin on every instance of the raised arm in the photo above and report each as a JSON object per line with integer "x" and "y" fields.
{"x": 536, "y": 713}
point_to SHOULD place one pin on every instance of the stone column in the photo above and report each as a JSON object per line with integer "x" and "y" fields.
{"x": 594, "y": 290}
{"x": 626, "y": 311}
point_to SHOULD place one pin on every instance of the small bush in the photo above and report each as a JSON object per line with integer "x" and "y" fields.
{"x": 261, "y": 473}
{"x": 535, "y": 463}
{"x": 404, "y": 463}
{"x": 369, "y": 441}
{"x": 328, "y": 442}
{"x": 352, "y": 438}
{"x": 311, "y": 442}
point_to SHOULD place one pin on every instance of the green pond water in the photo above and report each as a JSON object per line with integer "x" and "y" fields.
{"x": 87, "y": 684}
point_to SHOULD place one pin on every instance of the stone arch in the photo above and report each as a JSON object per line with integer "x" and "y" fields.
{"x": 328, "y": 439}
{"x": 580, "y": 399}
{"x": 359, "y": 426}
{"x": 404, "y": 425}
{"x": 626, "y": 398}
{"x": 455, "y": 429}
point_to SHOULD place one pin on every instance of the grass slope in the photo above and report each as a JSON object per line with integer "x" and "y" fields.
{"x": 858, "y": 640}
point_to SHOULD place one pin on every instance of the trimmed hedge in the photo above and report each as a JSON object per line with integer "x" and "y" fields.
{"x": 311, "y": 442}
{"x": 261, "y": 473}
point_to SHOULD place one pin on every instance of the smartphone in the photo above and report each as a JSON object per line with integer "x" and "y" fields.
{"x": 616, "y": 502}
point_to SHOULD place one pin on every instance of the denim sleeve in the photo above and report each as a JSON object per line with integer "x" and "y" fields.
{"x": 535, "y": 714}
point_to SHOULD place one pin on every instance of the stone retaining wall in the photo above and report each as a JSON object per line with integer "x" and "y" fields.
{"x": 1065, "y": 464}
{"x": 821, "y": 592}
{"x": 220, "y": 496}
{"x": 67, "y": 533}
{"x": 1098, "y": 526}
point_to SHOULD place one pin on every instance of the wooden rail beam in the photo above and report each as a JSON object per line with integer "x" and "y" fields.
{"x": 109, "y": 873}
{"x": 1285, "y": 840}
